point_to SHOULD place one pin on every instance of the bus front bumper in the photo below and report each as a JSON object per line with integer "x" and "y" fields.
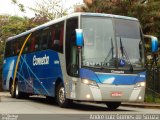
{"x": 106, "y": 92}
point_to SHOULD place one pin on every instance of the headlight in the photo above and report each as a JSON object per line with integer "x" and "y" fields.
{"x": 89, "y": 82}
{"x": 140, "y": 84}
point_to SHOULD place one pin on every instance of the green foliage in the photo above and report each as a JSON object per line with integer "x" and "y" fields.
{"x": 14, "y": 1}
{"x": 45, "y": 9}
{"x": 10, "y": 26}
{"x": 152, "y": 97}
{"x": 21, "y": 7}
{"x": 50, "y": 9}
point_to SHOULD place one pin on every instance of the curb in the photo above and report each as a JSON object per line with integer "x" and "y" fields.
{"x": 142, "y": 105}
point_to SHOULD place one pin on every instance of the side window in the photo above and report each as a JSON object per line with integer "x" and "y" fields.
{"x": 37, "y": 40}
{"x": 71, "y": 49}
{"x": 51, "y": 38}
{"x": 8, "y": 51}
{"x": 12, "y": 47}
{"x": 45, "y": 38}
{"x": 20, "y": 43}
{"x": 16, "y": 49}
{"x": 32, "y": 44}
{"x": 56, "y": 37}
{"x": 26, "y": 48}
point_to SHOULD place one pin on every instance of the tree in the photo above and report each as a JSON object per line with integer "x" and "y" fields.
{"x": 50, "y": 9}
{"x": 21, "y": 6}
{"x": 13, "y": 25}
{"x": 147, "y": 11}
{"x": 46, "y": 9}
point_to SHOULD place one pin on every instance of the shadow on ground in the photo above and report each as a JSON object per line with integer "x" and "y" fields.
{"x": 75, "y": 105}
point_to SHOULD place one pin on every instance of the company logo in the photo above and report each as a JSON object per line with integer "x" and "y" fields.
{"x": 118, "y": 72}
{"x": 40, "y": 60}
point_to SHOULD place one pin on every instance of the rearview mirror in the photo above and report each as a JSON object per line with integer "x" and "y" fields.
{"x": 154, "y": 42}
{"x": 79, "y": 37}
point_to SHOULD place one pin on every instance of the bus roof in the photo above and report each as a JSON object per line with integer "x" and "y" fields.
{"x": 69, "y": 16}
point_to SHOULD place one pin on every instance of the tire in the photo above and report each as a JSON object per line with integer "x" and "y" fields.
{"x": 61, "y": 97}
{"x": 113, "y": 105}
{"x": 10, "y": 85}
{"x": 18, "y": 94}
{"x": 12, "y": 91}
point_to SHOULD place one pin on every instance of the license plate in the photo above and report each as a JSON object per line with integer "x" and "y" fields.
{"x": 116, "y": 94}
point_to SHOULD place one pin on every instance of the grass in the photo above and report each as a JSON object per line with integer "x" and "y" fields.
{"x": 152, "y": 98}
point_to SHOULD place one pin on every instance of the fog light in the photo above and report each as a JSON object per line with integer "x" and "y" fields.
{"x": 140, "y": 84}
{"x": 89, "y": 82}
{"x": 88, "y": 96}
{"x": 139, "y": 97}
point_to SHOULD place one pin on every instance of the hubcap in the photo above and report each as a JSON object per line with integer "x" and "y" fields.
{"x": 61, "y": 95}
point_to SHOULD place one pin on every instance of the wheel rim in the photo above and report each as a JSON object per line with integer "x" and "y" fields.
{"x": 61, "y": 95}
{"x": 17, "y": 90}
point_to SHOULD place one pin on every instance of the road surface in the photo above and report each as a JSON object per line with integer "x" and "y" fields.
{"x": 39, "y": 105}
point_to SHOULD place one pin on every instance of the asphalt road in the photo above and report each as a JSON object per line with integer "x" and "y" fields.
{"x": 40, "y": 107}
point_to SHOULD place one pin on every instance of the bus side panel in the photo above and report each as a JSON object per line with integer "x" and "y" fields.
{"x": 38, "y": 72}
{"x": 8, "y": 71}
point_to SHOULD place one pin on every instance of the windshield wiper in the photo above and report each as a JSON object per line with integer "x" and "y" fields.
{"x": 124, "y": 53}
{"x": 111, "y": 51}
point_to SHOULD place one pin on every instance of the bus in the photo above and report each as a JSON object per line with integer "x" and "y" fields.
{"x": 88, "y": 57}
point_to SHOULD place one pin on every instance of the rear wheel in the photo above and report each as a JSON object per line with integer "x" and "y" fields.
{"x": 113, "y": 105}
{"x": 18, "y": 94}
{"x": 10, "y": 86}
{"x": 61, "y": 97}
{"x": 12, "y": 90}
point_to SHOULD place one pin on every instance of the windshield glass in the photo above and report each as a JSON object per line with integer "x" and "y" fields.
{"x": 111, "y": 43}
{"x": 99, "y": 44}
{"x": 129, "y": 43}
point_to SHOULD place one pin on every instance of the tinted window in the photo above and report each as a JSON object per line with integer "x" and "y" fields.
{"x": 71, "y": 49}
{"x": 121, "y": 26}
{"x": 56, "y": 37}
{"x": 44, "y": 39}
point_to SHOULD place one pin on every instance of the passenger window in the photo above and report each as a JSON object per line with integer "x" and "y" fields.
{"x": 32, "y": 45}
{"x": 52, "y": 37}
{"x": 37, "y": 41}
{"x": 56, "y": 40}
{"x": 26, "y": 48}
{"x": 20, "y": 43}
{"x": 44, "y": 40}
{"x": 12, "y": 47}
{"x": 8, "y": 49}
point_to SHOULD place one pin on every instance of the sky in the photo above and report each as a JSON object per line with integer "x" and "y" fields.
{"x": 7, "y": 7}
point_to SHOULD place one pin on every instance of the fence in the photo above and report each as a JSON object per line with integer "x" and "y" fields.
{"x": 153, "y": 81}
{"x": 0, "y": 78}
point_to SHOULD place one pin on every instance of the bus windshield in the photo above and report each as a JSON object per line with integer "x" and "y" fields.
{"x": 111, "y": 43}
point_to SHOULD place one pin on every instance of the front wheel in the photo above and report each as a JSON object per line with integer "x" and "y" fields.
{"x": 61, "y": 97}
{"x": 113, "y": 105}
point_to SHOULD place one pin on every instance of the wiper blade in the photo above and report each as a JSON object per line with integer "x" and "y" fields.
{"x": 121, "y": 47}
{"x": 111, "y": 51}
{"x": 124, "y": 53}
{"x": 112, "y": 47}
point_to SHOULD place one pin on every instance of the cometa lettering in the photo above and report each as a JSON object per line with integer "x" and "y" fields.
{"x": 41, "y": 60}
